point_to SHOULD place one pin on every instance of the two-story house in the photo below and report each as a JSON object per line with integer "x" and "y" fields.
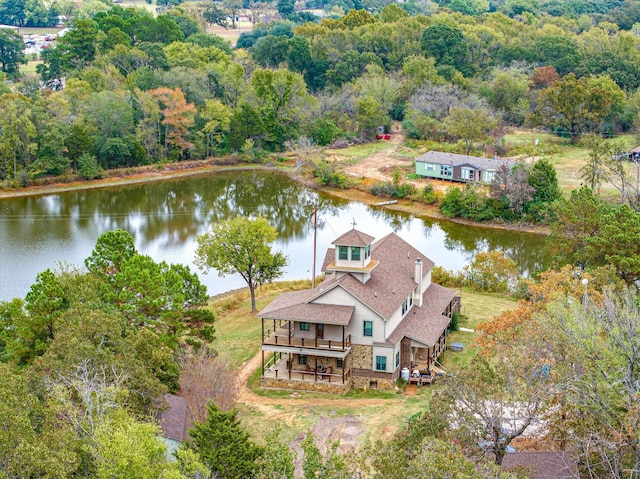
{"x": 375, "y": 313}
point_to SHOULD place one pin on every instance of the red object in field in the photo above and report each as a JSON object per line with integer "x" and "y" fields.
{"x": 379, "y": 137}
{"x": 387, "y": 137}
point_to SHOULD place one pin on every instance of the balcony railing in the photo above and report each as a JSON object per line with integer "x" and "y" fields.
{"x": 309, "y": 343}
{"x": 280, "y": 334}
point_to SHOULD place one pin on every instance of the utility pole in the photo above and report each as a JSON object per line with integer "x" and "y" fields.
{"x": 315, "y": 238}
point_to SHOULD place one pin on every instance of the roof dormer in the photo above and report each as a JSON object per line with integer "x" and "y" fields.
{"x": 353, "y": 255}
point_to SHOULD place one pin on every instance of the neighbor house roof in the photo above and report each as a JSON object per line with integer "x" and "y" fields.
{"x": 542, "y": 464}
{"x": 453, "y": 159}
{"x": 175, "y": 421}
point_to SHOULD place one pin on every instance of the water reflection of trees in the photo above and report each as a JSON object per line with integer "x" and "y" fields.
{"x": 396, "y": 219}
{"x": 526, "y": 249}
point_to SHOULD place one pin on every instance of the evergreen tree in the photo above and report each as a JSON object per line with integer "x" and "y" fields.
{"x": 224, "y": 446}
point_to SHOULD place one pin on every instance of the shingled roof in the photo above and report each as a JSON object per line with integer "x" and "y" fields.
{"x": 175, "y": 421}
{"x": 389, "y": 285}
{"x": 427, "y": 323}
{"x": 453, "y": 159}
{"x": 354, "y": 238}
{"x": 542, "y": 464}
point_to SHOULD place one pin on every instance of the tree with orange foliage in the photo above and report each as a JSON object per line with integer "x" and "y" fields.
{"x": 544, "y": 77}
{"x": 178, "y": 117}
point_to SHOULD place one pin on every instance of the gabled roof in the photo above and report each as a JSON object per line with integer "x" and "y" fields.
{"x": 392, "y": 280}
{"x": 313, "y": 313}
{"x": 453, "y": 159}
{"x": 427, "y": 323}
{"x": 354, "y": 238}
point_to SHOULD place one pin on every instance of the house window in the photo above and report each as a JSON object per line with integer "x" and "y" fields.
{"x": 467, "y": 173}
{"x": 489, "y": 176}
{"x": 339, "y": 363}
{"x": 431, "y": 167}
{"x": 355, "y": 253}
{"x": 381, "y": 363}
{"x": 304, "y": 326}
{"x": 446, "y": 171}
{"x": 405, "y": 307}
{"x": 398, "y": 359}
{"x": 343, "y": 252}
{"x": 367, "y": 251}
{"x": 302, "y": 359}
{"x": 410, "y": 300}
{"x": 367, "y": 330}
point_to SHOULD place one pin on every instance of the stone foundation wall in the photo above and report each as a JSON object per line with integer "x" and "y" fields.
{"x": 365, "y": 383}
{"x": 361, "y": 357}
{"x": 325, "y": 387}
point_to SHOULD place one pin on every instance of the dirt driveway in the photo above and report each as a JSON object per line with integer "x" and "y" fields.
{"x": 330, "y": 426}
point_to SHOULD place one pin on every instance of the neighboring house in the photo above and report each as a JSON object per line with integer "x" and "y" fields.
{"x": 375, "y": 313}
{"x": 174, "y": 422}
{"x": 542, "y": 464}
{"x": 450, "y": 166}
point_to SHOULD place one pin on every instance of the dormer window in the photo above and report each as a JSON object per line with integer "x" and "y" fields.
{"x": 367, "y": 251}
{"x": 343, "y": 252}
{"x": 355, "y": 253}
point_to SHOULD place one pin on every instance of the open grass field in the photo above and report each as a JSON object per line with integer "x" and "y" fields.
{"x": 30, "y": 67}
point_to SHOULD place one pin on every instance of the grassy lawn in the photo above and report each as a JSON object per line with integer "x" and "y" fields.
{"x": 476, "y": 308}
{"x": 567, "y": 159}
{"x": 30, "y": 67}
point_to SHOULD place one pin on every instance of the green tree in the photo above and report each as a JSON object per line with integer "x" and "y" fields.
{"x": 543, "y": 179}
{"x": 17, "y": 135}
{"x": 241, "y": 245}
{"x": 111, "y": 250}
{"x": 285, "y": 8}
{"x": 125, "y": 447}
{"x": 217, "y": 118}
{"x": 277, "y": 461}
{"x": 576, "y": 219}
{"x": 575, "y": 105}
{"x": 471, "y": 125}
{"x": 282, "y": 99}
{"x": 491, "y": 271}
{"x": 224, "y": 446}
{"x": 11, "y": 51}
{"x": 33, "y": 442}
{"x": 446, "y": 44}
{"x": 78, "y": 46}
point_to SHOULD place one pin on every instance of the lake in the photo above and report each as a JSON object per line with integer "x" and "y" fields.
{"x": 165, "y": 217}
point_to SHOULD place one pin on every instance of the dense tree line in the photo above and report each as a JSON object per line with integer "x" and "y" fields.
{"x": 141, "y": 89}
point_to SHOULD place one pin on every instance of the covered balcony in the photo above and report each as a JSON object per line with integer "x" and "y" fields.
{"x": 278, "y": 334}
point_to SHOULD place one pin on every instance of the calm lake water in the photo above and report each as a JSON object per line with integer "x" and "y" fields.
{"x": 41, "y": 232}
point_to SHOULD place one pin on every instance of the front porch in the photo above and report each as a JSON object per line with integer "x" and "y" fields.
{"x": 283, "y": 370}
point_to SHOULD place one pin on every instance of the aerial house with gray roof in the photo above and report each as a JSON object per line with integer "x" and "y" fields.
{"x": 454, "y": 167}
{"x": 376, "y": 312}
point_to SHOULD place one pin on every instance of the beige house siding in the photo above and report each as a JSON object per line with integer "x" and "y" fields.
{"x": 361, "y": 314}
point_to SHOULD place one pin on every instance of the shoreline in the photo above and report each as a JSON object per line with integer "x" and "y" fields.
{"x": 185, "y": 171}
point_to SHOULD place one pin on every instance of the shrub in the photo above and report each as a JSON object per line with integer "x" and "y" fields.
{"x": 88, "y": 166}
